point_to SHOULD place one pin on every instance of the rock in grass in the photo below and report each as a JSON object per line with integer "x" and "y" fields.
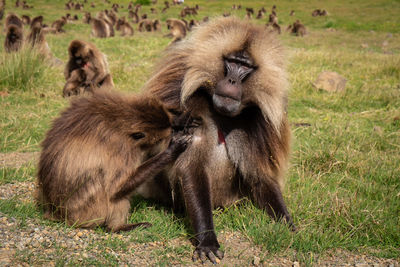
{"x": 330, "y": 81}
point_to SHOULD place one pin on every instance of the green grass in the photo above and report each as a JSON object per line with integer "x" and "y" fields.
{"x": 343, "y": 186}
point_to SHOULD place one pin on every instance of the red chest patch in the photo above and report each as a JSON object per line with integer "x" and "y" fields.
{"x": 221, "y": 137}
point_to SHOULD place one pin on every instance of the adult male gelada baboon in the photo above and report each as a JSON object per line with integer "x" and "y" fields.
{"x": 98, "y": 151}
{"x": 85, "y": 56}
{"x": 231, "y": 75}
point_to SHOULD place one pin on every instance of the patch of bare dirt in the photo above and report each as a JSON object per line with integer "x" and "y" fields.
{"x": 17, "y": 159}
{"x": 32, "y": 243}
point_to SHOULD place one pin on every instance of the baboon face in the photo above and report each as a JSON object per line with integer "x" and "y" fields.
{"x": 227, "y": 97}
{"x": 81, "y": 56}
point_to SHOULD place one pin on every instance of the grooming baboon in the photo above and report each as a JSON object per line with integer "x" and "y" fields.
{"x": 86, "y": 56}
{"x": 230, "y": 74}
{"x": 177, "y": 29}
{"x": 298, "y": 29}
{"x": 26, "y": 19}
{"x": 102, "y": 145}
{"x": 14, "y": 38}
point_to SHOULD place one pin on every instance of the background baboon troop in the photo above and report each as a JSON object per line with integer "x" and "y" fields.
{"x": 209, "y": 127}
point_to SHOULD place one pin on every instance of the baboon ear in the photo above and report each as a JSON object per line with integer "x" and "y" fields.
{"x": 138, "y": 135}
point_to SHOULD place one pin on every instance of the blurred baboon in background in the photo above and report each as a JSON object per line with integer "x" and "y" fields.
{"x": 145, "y": 25}
{"x": 37, "y": 21}
{"x": 156, "y": 25}
{"x": 13, "y": 19}
{"x": 26, "y": 19}
{"x": 297, "y": 28}
{"x": 87, "y": 17}
{"x": 124, "y": 27}
{"x": 101, "y": 29}
{"x": 85, "y": 56}
{"x": 14, "y": 38}
{"x": 59, "y": 24}
{"x": 177, "y": 29}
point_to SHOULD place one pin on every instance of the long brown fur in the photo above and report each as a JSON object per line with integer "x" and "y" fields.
{"x": 251, "y": 159}
{"x": 85, "y": 56}
{"x": 101, "y": 145}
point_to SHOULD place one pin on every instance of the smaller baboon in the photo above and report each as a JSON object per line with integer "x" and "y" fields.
{"x": 37, "y": 21}
{"x": 145, "y": 25}
{"x": 234, "y": 7}
{"x": 87, "y": 17}
{"x": 164, "y": 10}
{"x": 260, "y": 14}
{"x": 291, "y": 13}
{"x": 13, "y": 19}
{"x": 298, "y": 29}
{"x": 100, "y": 28}
{"x": 177, "y": 29}
{"x": 124, "y": 27}
{"x": 59, "y": 24}
{"x": 14, "y": 38}
{"x": 76, "y": 84}
{"x": 250, "y": 10}
{"x": 17, "y": 3}
{"x": 26, "y": 19}
{"x": 86, "y": 56}
{"x": 144, "y": 16}
{"x": 153, "y": 10}
{"x": 156, "y": 25}
{"x": 166, "y": 4}
{"x": 134, "y": 16}
{"x": 319, "y": 12}
{"x": 92, "y": 5}
{"x": 87, "y": 181}
{"x": 193, "y": 23}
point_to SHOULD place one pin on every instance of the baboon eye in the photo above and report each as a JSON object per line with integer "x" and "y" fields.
{"x": 137, "y": 136}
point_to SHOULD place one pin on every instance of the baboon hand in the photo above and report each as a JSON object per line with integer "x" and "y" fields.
{"x": 185, "y": 122}
{"x": 179, "y": 142}
{"x": 210, "y": 252}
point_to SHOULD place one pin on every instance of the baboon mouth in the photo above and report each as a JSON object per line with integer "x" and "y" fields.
{"x": 226, "y": 106}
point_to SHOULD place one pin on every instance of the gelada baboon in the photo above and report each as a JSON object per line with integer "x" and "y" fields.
{"x": 231, "y": 75}
{"x": 14, "y": 33}
{"x": 93, "y": 63}
{"x": 102, "y": 145}
{"x": 100, "y": 28}
{"x": 14, "y": 39}
{"x": 36, "y": 38}
{"x": 297, "y": 28}
{"x": 177, "y": 29}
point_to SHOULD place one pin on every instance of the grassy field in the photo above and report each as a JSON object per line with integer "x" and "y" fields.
{"x": 343, "y": 186}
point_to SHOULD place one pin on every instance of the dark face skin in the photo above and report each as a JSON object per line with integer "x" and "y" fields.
{"x": 227, "y": 98}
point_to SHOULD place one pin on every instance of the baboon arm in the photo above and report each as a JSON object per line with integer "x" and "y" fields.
{"x": 147, "y": 170}
{"x": 268, "y": 196}
{"x": 196, "y": 191}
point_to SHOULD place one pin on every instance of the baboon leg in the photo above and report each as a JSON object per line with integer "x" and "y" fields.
{"x": 196, "y": 192}
{"x": 119, "y": 212}
{"x": 129, "y": 227}
{"x": 269, "y": 197}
